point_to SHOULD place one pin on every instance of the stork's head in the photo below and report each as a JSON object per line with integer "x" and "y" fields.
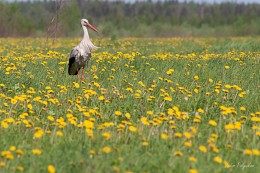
{"x": 84, "y": 22}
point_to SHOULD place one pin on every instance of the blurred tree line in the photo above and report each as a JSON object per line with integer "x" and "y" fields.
{"x": 139, "y": 19}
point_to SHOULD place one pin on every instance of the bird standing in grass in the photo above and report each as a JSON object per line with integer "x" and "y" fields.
{"x": 81, "y": 54}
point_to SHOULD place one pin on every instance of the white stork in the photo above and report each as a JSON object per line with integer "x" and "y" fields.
{"x": 81, "y": 54}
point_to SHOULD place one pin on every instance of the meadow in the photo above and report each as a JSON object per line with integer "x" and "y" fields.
{"x": 146, "y": 105}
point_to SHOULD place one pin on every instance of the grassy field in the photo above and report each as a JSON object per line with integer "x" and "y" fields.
{"x": 147, "y": 105}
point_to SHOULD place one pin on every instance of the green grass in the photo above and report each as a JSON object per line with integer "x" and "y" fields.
{"x": 131, "y": 75}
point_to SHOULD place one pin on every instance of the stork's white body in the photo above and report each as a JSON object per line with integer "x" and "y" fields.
{"x": 81, "y": 54}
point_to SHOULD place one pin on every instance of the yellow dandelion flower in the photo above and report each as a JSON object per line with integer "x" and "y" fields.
{"x": 69, "y": 116}
{"x": 215, "y": 150}
{"x": 88, "y": 124}
{"x": 227, "y": 67}
{"x": 129, "y": 89}
{"x": 118, "y": 113}
{"x": 9, "y": 156}
{"x": 59, "y": 133}
{"x": 149, "y": 112}
{"x": 193, "y": 171}
{"x": 192, "y": 159}
{"x": 95, "y": 77}
{"x": 217, "y": 159}
{"x": 228, "y": 86}
{"x": 170, "y": 71}
{"x": 38, "y": 134}
{"x": 238, "y": 125}
{"x": 177, "y": 135}
{"x": 4, "y": 124}
{"x": 141, "y": 83}
{"x": 241, "y": 95}
{"x": 36, "y": 151}
{"x": 62, "y": 63}
{"x": 170, "y": 111}
{"x": 226, "y": 164}
{"x": 248, "y": 151}
{"x": 51, "y": 118}
{"x": 178, "y": 153}
{"x": 51, "y": 169}
{"x": 106, "y": 150}
{"x": 229, "y": 145}
{"x": 200, "y": 110}
{"x": 8, "y": 69}
{"x": 10, "y": 120}
{"x": 120, "y": 126}
{"x": 23, "y": 115}
{"x": 132, "y": 128}
{"x": 164, "y": 136}
{"x": 116, "y": 169}
{"x": 214, "y": 135}
{"x": 87, "y": 114}
{"x": 144, "y": 120}
{"x": 2, "y": 164}
{"x": 14, "y": 101}
{"x": 187, "y": 135}
{"x": 106, "y": 135}
{"x": 30, "y": 106}
{"x": 129, "y": 172}
{"x": 242, "y": 108}
{"x": 12, "y": 148}
{"x": 196, "y": 77}
{"x": 19, "y": 168}
{"x": 92, "y": 152}
{"x": 255, "y": 119}
{"x": 203, "y": 149}
{"x": 187, "y": 144}
{"x": 210, "y": 80}
{"x": 168, "y": 99}
{"x": 145, "y": 143}
{"x": 238, "y": 88}
{"x": 256, "y": 152}
{"x": 197, "y": 119}
{"x": 19, "y": 152}
{"x": 101, "y": 98}
{"x": 213, "y": 122}
{"x": 128, "y": 115}
{"x": 76, "y": 85}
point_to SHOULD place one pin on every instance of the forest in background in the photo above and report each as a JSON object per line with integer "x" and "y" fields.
{"x": 119, "y": 19}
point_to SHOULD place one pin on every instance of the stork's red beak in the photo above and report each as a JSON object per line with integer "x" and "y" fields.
{"x": 92, "y": 27}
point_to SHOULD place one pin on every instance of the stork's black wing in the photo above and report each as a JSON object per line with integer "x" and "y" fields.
{"x": 72, "y": 63}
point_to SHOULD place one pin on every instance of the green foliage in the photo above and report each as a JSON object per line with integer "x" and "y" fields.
{"x": 140, "y": 19}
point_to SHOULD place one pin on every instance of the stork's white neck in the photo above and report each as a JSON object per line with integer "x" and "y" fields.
{"x": 86, "y": 44}
{"x": 86, "y": 36}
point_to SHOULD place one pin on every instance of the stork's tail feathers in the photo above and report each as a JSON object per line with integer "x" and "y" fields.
{"x": 72, "y": 68}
